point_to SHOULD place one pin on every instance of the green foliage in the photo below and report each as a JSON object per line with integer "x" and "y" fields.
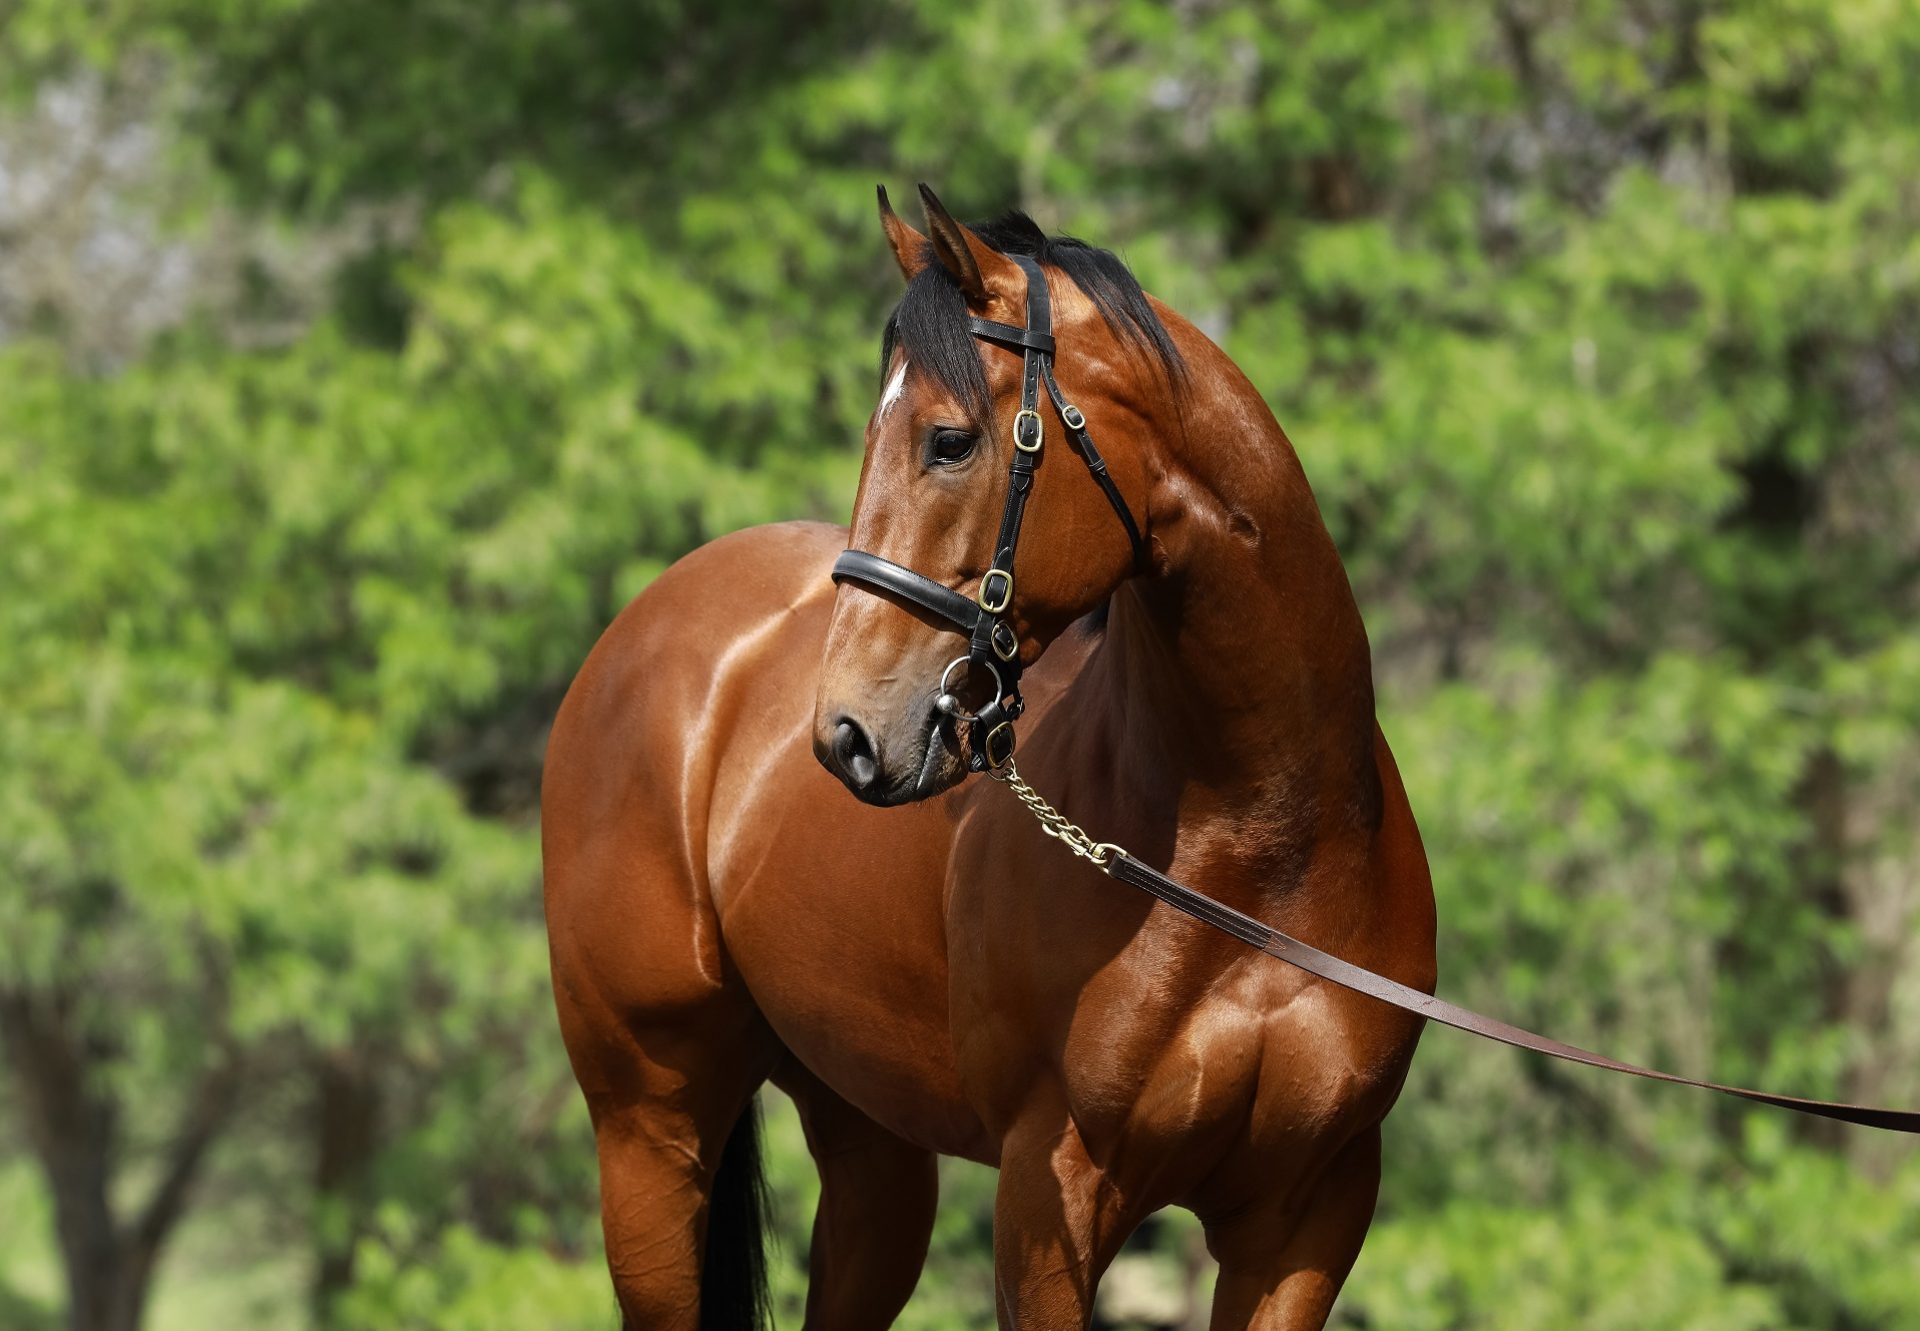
{"x": 1596, "y": 328}
{"x": 1478, "y": 1264}
{"x": 469, "y": 1284}
{"x": 1793, "y": 1239}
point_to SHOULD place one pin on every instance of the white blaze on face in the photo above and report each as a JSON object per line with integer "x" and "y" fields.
{"x": 895, "y": 386}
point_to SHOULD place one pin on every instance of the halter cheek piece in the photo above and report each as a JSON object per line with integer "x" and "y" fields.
{"x": 985, "y": 617}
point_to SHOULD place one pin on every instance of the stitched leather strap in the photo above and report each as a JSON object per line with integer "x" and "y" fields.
{"x": 1357, "y": 978}
{"x": 877, "y": 574}
{"x": 1036, "y": 344}
{"x": 1077, "y": 430}
{"x": 1039, "y": 340}
{"x": 1027, "y": 339}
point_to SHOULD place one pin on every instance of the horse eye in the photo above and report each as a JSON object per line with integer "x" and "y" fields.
{"x": 949, "y": 446}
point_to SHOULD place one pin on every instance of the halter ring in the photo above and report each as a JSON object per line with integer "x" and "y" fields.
{"x": 958, "y": 712}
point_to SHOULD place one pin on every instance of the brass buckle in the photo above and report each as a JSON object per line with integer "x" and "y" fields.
{"x": 1039, "y": 430}
{"x": 988, "y": 602}
{"x": 1071, "y": 415}
{"x": 999, "y": 734}
{"x": 1002, "y": 633}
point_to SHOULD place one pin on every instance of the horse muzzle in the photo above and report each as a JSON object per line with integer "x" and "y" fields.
{"x": 912, "y": 759}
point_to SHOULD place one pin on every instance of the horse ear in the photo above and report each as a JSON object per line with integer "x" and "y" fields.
{"x": 910, "y": 248}
{"x": 982, "y": 271}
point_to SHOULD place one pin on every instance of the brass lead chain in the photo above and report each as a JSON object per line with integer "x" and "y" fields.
{"x": 1054, "y": 823}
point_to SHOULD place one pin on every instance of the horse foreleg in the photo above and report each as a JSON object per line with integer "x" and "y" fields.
{"x": 1281, "y": 1266}
{"x": 878, "y": 1195}
{"x": 679, "y": 1187}
{"x": 1057, "y": 1223}
{"x": 678, "y": 1162}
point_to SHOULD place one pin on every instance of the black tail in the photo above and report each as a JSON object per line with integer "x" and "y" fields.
{"x": 733, "y": 1278}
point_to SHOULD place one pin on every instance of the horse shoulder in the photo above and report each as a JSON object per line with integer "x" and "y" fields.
{"x": 632, "y": 762}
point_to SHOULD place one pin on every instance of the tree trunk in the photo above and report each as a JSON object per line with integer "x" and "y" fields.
{"x": 346, "y": 1138}
{"x": 111, "y": 1293}
{"x": 73, "y": 1126}
{"x": 106, "y": 1281}
{"x": 1823, "y": 797}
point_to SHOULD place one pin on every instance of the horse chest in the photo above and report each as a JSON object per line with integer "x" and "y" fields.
{"x": 1170, "y": 1050}
{"x": 1263, "y": 1056}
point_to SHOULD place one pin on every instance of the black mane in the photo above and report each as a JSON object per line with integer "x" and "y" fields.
{"x": 930, "y": 321}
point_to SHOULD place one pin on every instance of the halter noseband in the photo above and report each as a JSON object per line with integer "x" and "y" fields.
{"x": 983, "y": 618}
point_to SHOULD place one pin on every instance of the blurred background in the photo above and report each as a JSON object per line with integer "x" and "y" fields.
{"x": 358, "y": 361}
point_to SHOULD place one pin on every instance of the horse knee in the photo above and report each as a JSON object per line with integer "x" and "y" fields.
{"x": 1282, "y": 1266}
{"x": 685, "y": 1232}
{"x": 653, "y": 1202}
{"x": 1057, "y": 1225}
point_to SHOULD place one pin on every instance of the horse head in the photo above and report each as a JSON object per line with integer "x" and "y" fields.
{"x": 942, "y": 604}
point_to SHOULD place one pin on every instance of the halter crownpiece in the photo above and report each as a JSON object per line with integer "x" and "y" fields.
{"x": 985, "y": 618}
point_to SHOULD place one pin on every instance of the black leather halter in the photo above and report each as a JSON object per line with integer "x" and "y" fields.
{"x": 983, "y": 618}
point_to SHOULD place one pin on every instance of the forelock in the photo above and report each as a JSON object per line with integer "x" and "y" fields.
{"x": 930, "y": 322}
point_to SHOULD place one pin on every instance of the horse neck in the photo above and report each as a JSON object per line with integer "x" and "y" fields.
{"x": 1242, "y": 672}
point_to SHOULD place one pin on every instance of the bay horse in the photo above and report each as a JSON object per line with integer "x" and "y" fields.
{"x": 916, "y": 964}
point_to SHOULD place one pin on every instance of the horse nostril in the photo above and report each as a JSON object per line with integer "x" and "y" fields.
{"x": 853, "y": 751}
